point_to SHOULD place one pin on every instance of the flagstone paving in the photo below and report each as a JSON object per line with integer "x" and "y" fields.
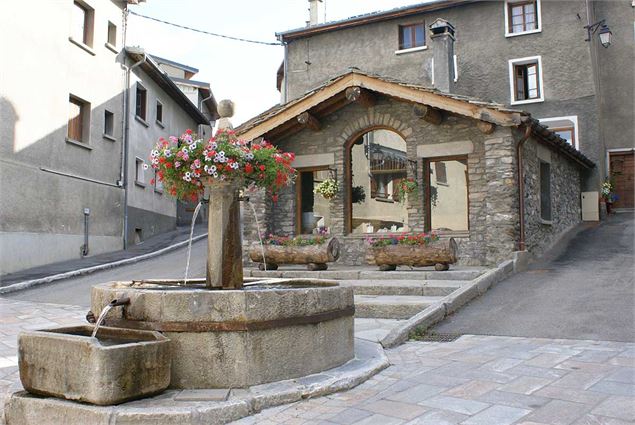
{"x": 473, "y": 380}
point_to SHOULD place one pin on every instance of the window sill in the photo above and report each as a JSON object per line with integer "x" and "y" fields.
{"x": 411, "y": 50}
{"x": 516, "y": 34}
{"x": 82, "y": 46}
{"x": 386, "y": 200}
{"x": 524, "y": 102}
{"x": 160, "y": 124}
{"x": 111, "y": 47}
{"x": 140, "y": 184}
{"x": 78, "y": 144}
{"x": 141, "y": 120}
{"x": 546, "y": 222}
{"x": 109, "y": 137}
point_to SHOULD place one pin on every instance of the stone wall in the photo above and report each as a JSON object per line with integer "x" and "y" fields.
{"x": 493, "y": 198}
{"x": 565, "y": 197}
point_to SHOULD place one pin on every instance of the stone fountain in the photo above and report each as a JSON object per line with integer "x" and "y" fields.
{"x": 224, "y": 331}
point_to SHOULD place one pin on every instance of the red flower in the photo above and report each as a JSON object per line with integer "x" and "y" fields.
{"x": 248, "y": 168}
{"x": 188, "y": 131}
{"x": 152, "y": 181}
{"x": 262, "y": 168}
{"x": 275, "y": 198}
{"x": 168, "y": 165}
{"x": 161, "y": 160}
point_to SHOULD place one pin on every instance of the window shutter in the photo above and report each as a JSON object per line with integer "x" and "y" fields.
{"x": 373, "y": 186}
{"x": 545, "y": 191}
{"x": 395, "y": 189}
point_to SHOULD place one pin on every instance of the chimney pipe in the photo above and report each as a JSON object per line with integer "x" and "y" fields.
{"x": 442, "y": 35}
{"x": 313, "y": 12}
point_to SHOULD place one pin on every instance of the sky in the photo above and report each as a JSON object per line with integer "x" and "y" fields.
{"x": 242, "y": 72}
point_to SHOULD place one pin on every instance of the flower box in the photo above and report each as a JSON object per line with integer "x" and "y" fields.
{"x": 314, "y": 255}
{"x": 439, "y": 253}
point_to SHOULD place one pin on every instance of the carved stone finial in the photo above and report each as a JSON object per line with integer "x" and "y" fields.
{"x": 226, "y": 108}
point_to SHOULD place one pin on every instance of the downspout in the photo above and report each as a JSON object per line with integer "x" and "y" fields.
{"x": 521, "y": 185}
{"x": 286, "y": 71}
{"x": 200, "y": 108}
{"x": 126, "y": 137}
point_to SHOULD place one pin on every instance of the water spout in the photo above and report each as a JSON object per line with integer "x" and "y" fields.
{"x": 189, "y": 245}
{"x": 262, "y": 245}
{"x": 112, "y": 304}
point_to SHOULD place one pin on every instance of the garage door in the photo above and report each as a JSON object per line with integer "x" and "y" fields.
{"x": 622, "y": 171}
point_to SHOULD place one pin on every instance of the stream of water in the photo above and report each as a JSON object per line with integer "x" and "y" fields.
{"x": 100, "y": 319}
{"x": 189, "y": 245}
{"x": 262, "y": 245}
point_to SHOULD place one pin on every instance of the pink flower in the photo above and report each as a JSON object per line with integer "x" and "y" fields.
{"x": 177, "y": 164}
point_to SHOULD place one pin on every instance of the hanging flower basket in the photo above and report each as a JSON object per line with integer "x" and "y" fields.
{"x": 185, "y": 165}
{"x": 406, "y": 187}
{"x": 328, "y": 188}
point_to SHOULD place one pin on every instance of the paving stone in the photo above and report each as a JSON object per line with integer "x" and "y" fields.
{"x": 617, "y": 407}
{"x": 396, "y": 409}
{"x": 537, "y": 372}
{"x": 499, "y": 415}
{"x": 578, "y": 380}
{"x": 378, "y": 419}
{"x": 614, "y": 388}
{"x": 623, "y": 374}
{"x": 525, "y": 385}
{"x": 472, "y": 389}
{"x": 416, "y": 394}
{"x": 522, "y": 401}
{"x": 459, "y": 405}
{"x": 590, "y": 419}
{"x": 203, "y": 395}
{"x": 558, "y": 412}
{"x": 547, "y": 360}
{"x": 439, "y": 417}
{"x": 568, "y": 394}
{"x": 350, "y": 416}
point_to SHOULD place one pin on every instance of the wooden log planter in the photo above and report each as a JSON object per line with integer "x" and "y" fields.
{"x": 440, "y": 254}
{"x": 315, "y": 256}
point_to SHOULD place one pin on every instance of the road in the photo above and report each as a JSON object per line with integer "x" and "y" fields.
{"x": 584, "y": 291}
{"x": 76, "y": 291}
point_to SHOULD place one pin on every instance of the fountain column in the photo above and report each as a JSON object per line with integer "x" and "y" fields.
{"x": 224, "y": 247}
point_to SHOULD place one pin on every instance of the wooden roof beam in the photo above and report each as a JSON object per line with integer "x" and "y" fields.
{"x": 486, "y": 127}
{"x": 359, "y": 95}
{"x": 427, "y": 113}
{"x": 309, "y": 121}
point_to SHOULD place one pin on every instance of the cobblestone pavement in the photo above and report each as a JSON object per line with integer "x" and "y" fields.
{"x": 473, "y": 380}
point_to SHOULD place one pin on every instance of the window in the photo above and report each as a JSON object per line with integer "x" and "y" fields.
{"x": 526, "y": 80}
{"x": 545, "y": 191}
{"x": 82, "y": 24}
{"x": 109, "y": 123}
{"x": 378, "y": 161}
{"x": 159, "y": 112}
{"x": 447, "y": 194}
{"x": 78, "y": 120}
{"x": 112, "y": 34}
{"x": 565, "y": 127}
{"x": 139, "y": 175}
{"x": 411, "y": 36}
{"x": 522, "y": 17}
{"x": 313, "y": 210}
{"x": 141, "y": 102}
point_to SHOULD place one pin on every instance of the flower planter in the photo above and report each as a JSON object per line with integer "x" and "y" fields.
{"x": 117, "y": 366}
{"x": 314, "y": 256}
{"x": 440, "y": 254}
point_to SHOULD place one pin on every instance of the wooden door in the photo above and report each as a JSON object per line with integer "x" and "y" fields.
{"x": 622, "y": 174}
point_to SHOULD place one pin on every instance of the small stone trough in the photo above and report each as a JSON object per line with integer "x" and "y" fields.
{"x": 117, "y": 366}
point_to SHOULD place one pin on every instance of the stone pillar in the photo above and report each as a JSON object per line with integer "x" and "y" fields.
{"x": 443, "y": 54}
{"x": 224, "y": 250}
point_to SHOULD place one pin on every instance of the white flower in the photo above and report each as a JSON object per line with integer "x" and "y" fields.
{"x": 154, "y": 153}
{"x": 249, "y": 156}
{"x": 215, "y": 175}
{"x": 167, "y": 153}
{"x": 213, "y": 146}
{"x": 155, "y": 161}
{"x": 222, "y": 177}
{"x": 234, "y": 165}
{"x": 187, "y": 177}
{"x": 145, "y": 166}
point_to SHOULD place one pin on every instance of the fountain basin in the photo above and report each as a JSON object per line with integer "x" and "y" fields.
{"x": 117, "y": 366}
{"x": 276, "y": 330}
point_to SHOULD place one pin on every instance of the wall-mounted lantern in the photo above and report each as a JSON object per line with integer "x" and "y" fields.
{"x": 604, "y": 34}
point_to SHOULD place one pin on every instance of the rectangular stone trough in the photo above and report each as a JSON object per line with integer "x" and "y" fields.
{"x": 117, "y": 366}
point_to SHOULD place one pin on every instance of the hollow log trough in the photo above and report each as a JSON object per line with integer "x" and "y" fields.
{"x": 315, "y": 256}
{"x": 440, "y": 254}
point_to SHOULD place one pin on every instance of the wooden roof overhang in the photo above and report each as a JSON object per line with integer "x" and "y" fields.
{"x": 285, "y": 120}
{"x": 282, "y": 121}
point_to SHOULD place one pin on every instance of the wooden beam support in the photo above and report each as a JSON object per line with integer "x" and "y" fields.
{"x": 361, "y": 96}
{"x": 309, "y": 121}
{"x": 427, "y": 113}
{"x": 486, "y": 127}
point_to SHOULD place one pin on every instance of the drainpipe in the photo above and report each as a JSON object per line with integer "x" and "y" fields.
{"x": 521, "y": 185}
{"x": 200, "y": 108}
{"x": 126, "y": 142}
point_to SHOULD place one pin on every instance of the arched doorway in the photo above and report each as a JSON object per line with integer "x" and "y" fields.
{"x": 376, "y": 162}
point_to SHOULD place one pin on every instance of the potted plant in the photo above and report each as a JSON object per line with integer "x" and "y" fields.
{"x": 358, "y": 195}
{"x": 314, "y": 251}
{"x": 607, "y": 195}
{"x": 414, "y": 250}
{"x": 406, "y": 187}
{"x": 223, "y": 165}
{"x": 328, "y": 188}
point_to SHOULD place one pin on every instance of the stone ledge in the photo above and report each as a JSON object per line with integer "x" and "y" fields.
{"x": 23, "y": 408}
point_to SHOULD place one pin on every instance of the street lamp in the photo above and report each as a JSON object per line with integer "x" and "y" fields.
{"x": 605, "y": 32}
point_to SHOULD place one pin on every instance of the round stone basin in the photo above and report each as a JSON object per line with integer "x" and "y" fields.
{"x": 270, "y": 330}
{"x": 119, "y": 365}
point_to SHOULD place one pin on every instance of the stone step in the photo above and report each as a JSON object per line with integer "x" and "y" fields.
{"x": 436, "y": 288}
{"x": 368, "y": 274}
{"x": 391, "y": 306}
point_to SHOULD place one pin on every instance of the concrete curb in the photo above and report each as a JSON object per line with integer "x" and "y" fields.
{"x": 369, "y": 360}
{"x": 449, "y": 304}
{"x": 87, "y": 270}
